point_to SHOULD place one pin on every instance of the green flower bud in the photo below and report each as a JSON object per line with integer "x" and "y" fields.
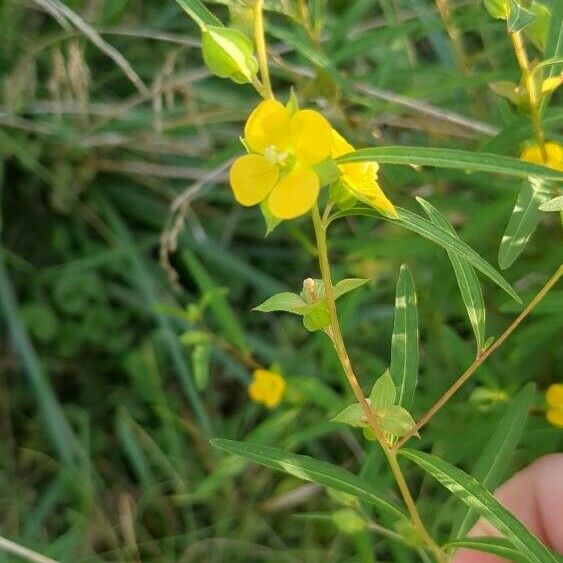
{"x": 228, "y": 54}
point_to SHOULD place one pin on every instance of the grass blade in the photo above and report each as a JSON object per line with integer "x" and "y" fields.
{"x": 523, "y": 221}
{"x": 404, "y": 343}
{"x": 493, "y": 462}
{"x": 476, "y": 496}
{"x": 451, "y": 158}
{"x": 467, "y": 280}
{"x": 309, "y": 469}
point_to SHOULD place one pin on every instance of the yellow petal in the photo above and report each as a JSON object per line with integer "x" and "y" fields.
{"x": 554, "y": 395}
{"x": 555, "y": 417}
{"x": 311, "y": 137}
{"x": 339, "y": 145}
{"x": 550, "y": 84}
{"x": 252, "y": 178}
{"x": 267, "y": 125}
{"x": 295, "y": 194}
{"x": 554, "y": 152}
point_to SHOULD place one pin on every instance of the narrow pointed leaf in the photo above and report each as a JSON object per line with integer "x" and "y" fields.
{"x": 476, "y": 496}
{"x": 451, "y": 158}
{"x": 467, "y": 280}
{"x": 491, "y": 466}
{"x": 404, "y": 343}
{"x": 523, "y": 221}
{"x": 495, "y": 546}
{"x": 347, "y": 285}
{"x": 199, "y": 13}
{"x": 309, "y": 469}
{"x": 285, "y": 301}
{"x": 428, "y": 230}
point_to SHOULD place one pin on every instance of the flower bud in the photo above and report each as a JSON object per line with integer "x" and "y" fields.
{"x": 228, "y": 54}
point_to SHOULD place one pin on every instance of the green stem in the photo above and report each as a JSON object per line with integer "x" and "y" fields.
{"x": 335, "y": 334}
{"x": 259, "y": 39}
{"x": 531, "y": 90}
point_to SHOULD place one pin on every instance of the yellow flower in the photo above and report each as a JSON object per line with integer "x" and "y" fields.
{"x": 283, "y": 149}
{"x": 360, "y": 178}
{"x": 554, "y": 399}
{"x": 554, "y": 152}
{"x": 267, "y": 387}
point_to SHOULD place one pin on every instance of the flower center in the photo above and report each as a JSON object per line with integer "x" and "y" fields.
{"x": 275, "y": 156}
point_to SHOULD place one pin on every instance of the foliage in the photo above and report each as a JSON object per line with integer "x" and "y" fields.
{"x": 128, "y": 276}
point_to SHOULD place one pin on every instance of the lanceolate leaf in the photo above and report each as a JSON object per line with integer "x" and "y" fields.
{"x": 475, "y": 495}
{"x": 467, "y": 279}
{"x": 425, "y": 228}
{"x": 523, "y": 221}
{"x": 404, "y": 343}
{"x": 491, "y": 466}
{"x": 345, "y": 286}
{"x": 199, "y": 13}
{"x": 310, "y": 469}
{"x": 284, "y": 301}
{"x": 451, "y": 158}
{"x": 496, "y": 546}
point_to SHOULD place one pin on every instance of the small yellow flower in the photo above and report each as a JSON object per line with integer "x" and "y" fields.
{"x": 267, "y": 387}
{"x": 554, "y": 152}
{"x": 283, "y": 149}
{"x": 554, "y": 399}
{"x": 360, "y": 178}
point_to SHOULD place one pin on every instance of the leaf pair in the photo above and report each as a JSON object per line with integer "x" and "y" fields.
{"x": 310, "y": 303}
{"x": 392, "y": 418}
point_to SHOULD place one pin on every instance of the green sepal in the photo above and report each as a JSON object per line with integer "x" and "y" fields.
{"x": 341, "y": 196}
{"x": 395, "y": 420}
{"x": 498, "y": 9}
{"x": 353, "y": 415}
{"x": 383, "y": 393}
{"x": 519, "y": 18}
{"x": 536, "y": 32}
{"x": 348, "y": 521}
{"x": 316, "y": 316}
{"x": 271, "y": 221}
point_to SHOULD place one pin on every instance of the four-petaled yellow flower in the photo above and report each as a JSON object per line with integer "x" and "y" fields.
{"x": 267, "y": 387}
{"x": 360, "y": 178}
{"x": 283, "y": 149}
{"x": 554, "y": 399}
{"x": 554, "y": 155}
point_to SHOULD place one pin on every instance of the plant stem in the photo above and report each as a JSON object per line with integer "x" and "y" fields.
{"x": 531, "y": 89}
{"x": 260, "y": 41}
{"x": 454, "y": 34}
{"x": 335, "y": 334}
{"x": 481, "y": 357}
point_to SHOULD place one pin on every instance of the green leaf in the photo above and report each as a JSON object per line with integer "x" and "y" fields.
{"x": 348, "y": 521}
{"x": 493, "y": 462}
{"x": 383, "y": 393}
{"x": 554, "y": 41}
{"x": 467, "y": 280}
{"x": 352, "y": 415}
{"x": 536, "y": 32}
{"x": 404, "y": 342}
{"x": 519, "y": 17}
{"x": 496, "y": 546}
{"x": 523, "y": 221}
{"x": 310, "y": 469}
{"x": 199, "y": 13}
{"x": 498, "y": 9}
{"x": 396, "y": 420}
{"x": 347, "y": 285}
{"x": 425, "y": 228}
{"x": 451, "y": 158}
{"x": 555, "y": 204}
{"x": 284, "y": 301}
{"x": 476, "y": 496}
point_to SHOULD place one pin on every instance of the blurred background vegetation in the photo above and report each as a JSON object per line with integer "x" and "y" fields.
{"x": 127, "y": 275}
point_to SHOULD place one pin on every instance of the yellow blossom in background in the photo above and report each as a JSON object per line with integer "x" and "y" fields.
{"x": 360, "y": 178}
{"x": 283, "y": 149}
{"x": 267, "y": 387}
{"x": 554, "y": 155}
{"x": 554, "y": 399}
